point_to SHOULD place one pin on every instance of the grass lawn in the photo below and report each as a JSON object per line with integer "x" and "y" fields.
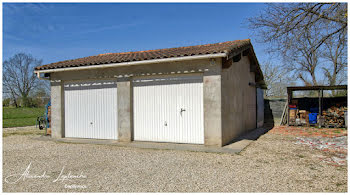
{"x": 20, "y": 117}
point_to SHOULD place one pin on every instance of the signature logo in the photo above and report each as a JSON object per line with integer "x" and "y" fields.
{"x": 63, "y": 176}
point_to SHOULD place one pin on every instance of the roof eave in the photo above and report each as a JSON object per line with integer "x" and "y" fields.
{"x": 155, "y": 61}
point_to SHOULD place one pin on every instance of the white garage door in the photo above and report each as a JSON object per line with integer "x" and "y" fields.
{"x": 169, "y": 109}
{"x": 91, "y": 109}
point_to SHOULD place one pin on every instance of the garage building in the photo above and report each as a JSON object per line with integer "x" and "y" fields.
{"x": 204, "y": 94}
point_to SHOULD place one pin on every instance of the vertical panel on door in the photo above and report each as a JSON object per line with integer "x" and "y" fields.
{"x": 91, "y": 109}
{"x": 169, "y": 109}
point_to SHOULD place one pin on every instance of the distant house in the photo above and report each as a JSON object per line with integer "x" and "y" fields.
{"x": 204, "y": 94}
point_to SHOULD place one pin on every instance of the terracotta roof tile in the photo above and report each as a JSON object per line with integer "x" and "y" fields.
{"x": 107, "y": 58}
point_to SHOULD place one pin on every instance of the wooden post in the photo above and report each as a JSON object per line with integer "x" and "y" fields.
{"x": 319, "y": 106}
{"x": 289, "y": 99}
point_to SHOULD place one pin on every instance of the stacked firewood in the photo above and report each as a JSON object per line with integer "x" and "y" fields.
{"x": 334, "y": 116}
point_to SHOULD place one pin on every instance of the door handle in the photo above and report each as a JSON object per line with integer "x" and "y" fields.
{"x": 182, "y": 110}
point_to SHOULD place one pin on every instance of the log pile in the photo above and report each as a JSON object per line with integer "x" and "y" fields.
{"x": 334, "y": 116}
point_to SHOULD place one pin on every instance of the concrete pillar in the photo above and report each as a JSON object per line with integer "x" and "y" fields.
{"x": 57, "y": 109}
{"x": 124, "y": 111}
{"x": 212, "y": 107}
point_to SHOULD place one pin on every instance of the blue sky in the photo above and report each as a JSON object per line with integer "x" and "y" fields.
{"x": 55, "y": 32}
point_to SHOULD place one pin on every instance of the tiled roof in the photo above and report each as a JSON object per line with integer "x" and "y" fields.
{"x": 108, "y": 58}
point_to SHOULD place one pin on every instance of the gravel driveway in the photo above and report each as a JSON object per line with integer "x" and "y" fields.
{"x": 273, "y": 163}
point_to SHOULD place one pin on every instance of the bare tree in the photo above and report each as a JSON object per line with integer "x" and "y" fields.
{"x": 287, "y": 22}
{"x": 299, "y": 32}
{"x": 335, "y": 52}
{"x": 18, "y": 77}
{"x": 303, "y": 59}
{"x": 275, "y": 79}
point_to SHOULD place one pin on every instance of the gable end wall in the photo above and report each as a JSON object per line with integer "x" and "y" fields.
{"x": 238, "y": 100}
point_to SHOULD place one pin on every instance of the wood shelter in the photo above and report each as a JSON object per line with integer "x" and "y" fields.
{"x": 319, "y": 89}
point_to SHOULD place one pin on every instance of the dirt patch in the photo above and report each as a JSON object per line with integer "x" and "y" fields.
{"x": 331, "y": 142}
{"x": 308, "y": 131}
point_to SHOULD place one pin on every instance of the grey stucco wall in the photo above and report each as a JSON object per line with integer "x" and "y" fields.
{"x": 238, "y": 100}
{"x": 211, "y": 70}
{"x": 127, "y": 72}
{"x": 212, "y": 105}
{"x": 57, "y": 109}
{"x": 124, "y": 111}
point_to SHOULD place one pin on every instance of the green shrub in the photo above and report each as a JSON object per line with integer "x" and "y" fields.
{"x": 6, "y": 102}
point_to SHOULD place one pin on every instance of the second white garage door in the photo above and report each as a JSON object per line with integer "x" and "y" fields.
{"x": 169, "y": 109}
{"x": 91, "y": 109}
